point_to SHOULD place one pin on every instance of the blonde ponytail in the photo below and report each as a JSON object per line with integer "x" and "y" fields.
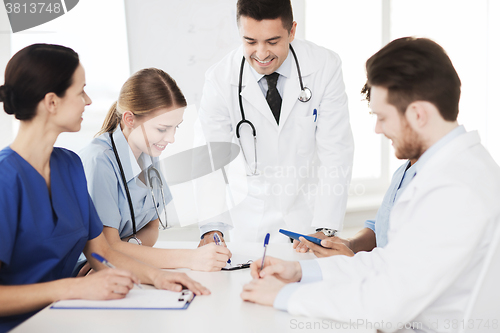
{"x": 112, "y": 120}
{"x": 145, "y": 92}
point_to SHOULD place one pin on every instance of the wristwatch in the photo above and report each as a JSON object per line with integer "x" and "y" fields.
{"x": 327, "y": 232}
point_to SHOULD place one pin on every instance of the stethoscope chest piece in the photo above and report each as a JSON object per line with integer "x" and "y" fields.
{"x": 305, "y": 95}
{"x": 134, "y": 240}
{"x": 152, "y": 173}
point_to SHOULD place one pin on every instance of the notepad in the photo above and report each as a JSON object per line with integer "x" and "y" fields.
{"x": 136, "y": 299}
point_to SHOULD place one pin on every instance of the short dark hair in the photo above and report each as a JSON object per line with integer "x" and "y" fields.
{"x": 32, "y": 73}
{"x": 414, "y": 69}
{"x": 266, "y": 10}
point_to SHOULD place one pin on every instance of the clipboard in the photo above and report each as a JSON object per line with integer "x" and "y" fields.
{"x": 238, "y": 262}
{"x": 136, "y": 299}
{"x": 234, "y": 267}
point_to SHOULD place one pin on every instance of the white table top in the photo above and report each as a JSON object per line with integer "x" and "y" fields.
{"x": 222, "y": 311}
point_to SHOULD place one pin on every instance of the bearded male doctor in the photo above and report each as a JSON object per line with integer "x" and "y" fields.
{"x": 299, "y": 162}
{"x": 440, "y": 226}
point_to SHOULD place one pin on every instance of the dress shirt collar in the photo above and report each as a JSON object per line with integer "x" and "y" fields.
{"x": 459, "y": 130}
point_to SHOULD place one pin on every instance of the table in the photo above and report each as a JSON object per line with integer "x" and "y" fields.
{"x": 222, "y": 311}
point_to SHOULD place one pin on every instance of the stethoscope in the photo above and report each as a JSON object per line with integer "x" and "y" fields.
{"x": 152, "y": 174}
{"x": 304, "y": 96}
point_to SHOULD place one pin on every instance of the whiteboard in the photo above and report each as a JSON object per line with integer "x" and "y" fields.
{"x": 183, "y": 38}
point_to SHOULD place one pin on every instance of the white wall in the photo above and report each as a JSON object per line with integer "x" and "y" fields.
{"x": 102, "y": 48}
{"x": 184, "y": 38}
{"x": 5, "y": 119}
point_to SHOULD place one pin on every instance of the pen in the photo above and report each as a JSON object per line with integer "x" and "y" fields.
{"x": 266, "y": 242}
{"x": 107, "y": 264}
{"x": 315, "y": 114}
{"x": 217, "y": 242}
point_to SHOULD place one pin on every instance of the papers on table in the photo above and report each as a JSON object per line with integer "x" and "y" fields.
{"x": 136, "y": 299}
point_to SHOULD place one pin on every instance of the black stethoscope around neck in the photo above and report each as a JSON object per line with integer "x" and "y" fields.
{"x": 152, "y": 174}
{"x": 304, "y": 96}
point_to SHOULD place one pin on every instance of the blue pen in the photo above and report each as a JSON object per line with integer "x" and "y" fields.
{"x": 217, "y": 242}
{"x": 266, "y": 242}
{"x": 107, "y": 264}
{"x": 315, "y": 114}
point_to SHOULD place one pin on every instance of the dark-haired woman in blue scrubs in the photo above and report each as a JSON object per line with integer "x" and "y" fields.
{"x": 48, "y": 218}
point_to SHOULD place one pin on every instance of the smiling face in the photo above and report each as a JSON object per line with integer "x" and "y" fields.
{"x": 407, "y": 143}
{"x": 265, "y": 43}
{"x": 153, "y": 133}
{"x": 72, "y": 105}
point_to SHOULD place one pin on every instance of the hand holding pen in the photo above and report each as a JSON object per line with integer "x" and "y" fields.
{"x": 175, "y": 281}
{"x": 217, "y": 241}
{"x": 108, "y": 264}
{"x": 265, "y": 285}
{"x": 102, "y": 285}
{"x": 286, "y": 271}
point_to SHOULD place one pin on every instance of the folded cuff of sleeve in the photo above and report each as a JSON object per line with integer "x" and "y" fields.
{"x": 281, "y": 300}
{"x": 218, "y": 226}
{"x": 311, "y": 271}
{"x": 370, "y": 224}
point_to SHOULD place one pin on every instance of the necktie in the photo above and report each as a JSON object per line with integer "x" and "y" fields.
{"x": 273, "y": 97}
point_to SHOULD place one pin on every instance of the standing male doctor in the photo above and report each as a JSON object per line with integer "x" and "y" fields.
{"x": 298, "y": 165}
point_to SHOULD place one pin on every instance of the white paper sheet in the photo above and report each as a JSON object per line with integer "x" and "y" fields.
{"x": 135, "y": 299}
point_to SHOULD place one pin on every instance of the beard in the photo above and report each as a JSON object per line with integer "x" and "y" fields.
{"x": 410, "y": 145}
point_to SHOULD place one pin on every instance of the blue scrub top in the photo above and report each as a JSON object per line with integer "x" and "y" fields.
{"x": 106, "y": 187}
{"x": 42, "y": 234}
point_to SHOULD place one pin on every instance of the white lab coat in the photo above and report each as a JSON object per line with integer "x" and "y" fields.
{"x": 440, "y": 229}
{"x": 289, "y": 193}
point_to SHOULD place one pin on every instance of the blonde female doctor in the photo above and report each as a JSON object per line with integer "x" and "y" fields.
{"x": 124, "y": 180}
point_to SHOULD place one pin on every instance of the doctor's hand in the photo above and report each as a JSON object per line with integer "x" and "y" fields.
{"x": 209, "y": 238}
{"x": 286, "y": 271}
{"x": 302, "y": 248}
{"x": 176, "y": 281}
{"x": 104, "y": 284}
{"x": 209, "y": 258}
{"x": 262, "y": 291}
{"x": 332, "y": 246}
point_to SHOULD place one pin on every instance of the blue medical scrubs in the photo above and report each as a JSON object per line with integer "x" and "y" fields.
{"x": 41, "y": 233}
